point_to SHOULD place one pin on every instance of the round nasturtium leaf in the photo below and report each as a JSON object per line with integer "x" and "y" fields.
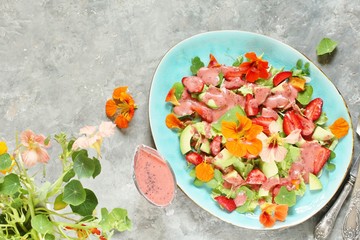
{"x": 74, "y": 193}
{"x": 41, "y": 224}
{"x": 285, "y": 197}
{"x": 5, "y": 161}
{"x": 88, "y": 206}
{"x": 10, "y": 184}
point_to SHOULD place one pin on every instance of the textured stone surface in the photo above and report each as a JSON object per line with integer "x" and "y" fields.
{"x": 60, "y": 60}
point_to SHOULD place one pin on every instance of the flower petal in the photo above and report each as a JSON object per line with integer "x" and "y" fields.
{"x": 279, "y": 153}
{"x": 29, "y": 157}
{"x": 110, "y": 108}
{"x": 26, "y": 136}
{"x": 274, "y": 127}
{"x": 229, "y": 129}
{"x": 88, "y": 130}
{"x": 266, "y": 219}
{"x": 293, "y": 137}
{"x": 42, "y": 155}
{"x": 254, "y": 146}
{"x": 107, "y": 129}
{"x": 121, "y": 121}
{"x": 236, "y": 148}
{"x": 281, "y": 212}
{"x": 173, "y": 122}
{"x": 119, "y": 92}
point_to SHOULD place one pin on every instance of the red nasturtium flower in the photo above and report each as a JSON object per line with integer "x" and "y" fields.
{"x": 255, "y": 68}
{"x": 272, "y": 212}
{"x": 121, "y": 107}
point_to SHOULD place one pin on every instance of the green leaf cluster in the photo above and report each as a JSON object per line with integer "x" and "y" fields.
{"x": 196, "y": 64}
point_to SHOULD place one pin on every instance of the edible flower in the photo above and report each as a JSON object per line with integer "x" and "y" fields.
{"x": 91, "y": 136}
{"x": 121, "y": 107}
{"x": 173, "y": 122}
{"x": 255, "y": 68}
{"x": 35, "y": 148}
{"x": 204, "y": 172}
{"x": 241, "y": 137}
{"x": 273, "y": 149}
{"x": 270, "y": 213}
{"x": 339, "y": 128}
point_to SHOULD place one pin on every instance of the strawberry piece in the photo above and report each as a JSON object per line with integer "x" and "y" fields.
{"x": 204, "y": 112}
{"x": 215, "y": 145}
{"x": 226, "y": 203}
{"x": 290, "y": 122}
{"x": 194, "y": 158}
{"x": 193, "y": 84}
{"x": 251, "y": 105}
{"x": 313, "y": 109}
{"x": 280, "y": 77}
{"x": 307, "y": 126}
{"x": 264, "y": 122}
{"x": 321, "y": 158}
{"x": 255, "y": 176}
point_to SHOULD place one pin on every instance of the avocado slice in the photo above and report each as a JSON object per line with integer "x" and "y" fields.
{"x": 186, "y": 135}
{"x": 269, "y": 169}
{"x": 322, "y": 134}
{"x": 224, "y": 159}
{"x": 205, "y": 146}
{"x": 314, "y": 182}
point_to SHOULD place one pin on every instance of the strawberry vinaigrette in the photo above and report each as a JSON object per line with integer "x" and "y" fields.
{"x": 153, "y": 176}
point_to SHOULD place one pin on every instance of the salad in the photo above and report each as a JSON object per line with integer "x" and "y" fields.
{"x": 253, "y": 133}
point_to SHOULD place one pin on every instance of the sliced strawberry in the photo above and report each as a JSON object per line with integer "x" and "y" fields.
{"x": 194, "y": 158}
{"x": 213, "y": 62}
{"x": 321, "y": 158}
{"x": 251, "y": 105}
{"x": 255, "y": 176}
{"x": 215, "y": 145}
{"x": 204, "y": 112}
{"x": 264, "y": 122}
{"x": 226, "y": 203}
{"x": 290, "y": 122}
{"x": 307, "y": 126}
{"x": 280, "y": 77}
{"x": 293, "y": 120}
{"x": 313, "y": 109}
{"x": 234, "y": 73}
{"x": 193, "y": 84}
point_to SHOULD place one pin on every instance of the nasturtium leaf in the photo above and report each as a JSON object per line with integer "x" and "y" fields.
{"x": 304, "y": 97}
{"x": 330, "y": 167}
{"x": 42, "y": 224}
{"x": 17, "y": 203}
{"x": 69, "y": 175}
{"x": 332, "y": 155}
{"x": 87, "y": 207}
{"x": 179, "y": 89}
{"x": 198, "y": 183}
{"x": 229, "y": 116}
{"x": 5, "y": 161}
{"x": 299, "y": 64}
{"x": 84, "y": 167}
{"x": 196, "y": 64}
{"x": 74, "y": 193}
{"x": 10, "y": 185}
{"x": 59, "y": 203}
{"x": 238, "y": 61}
{"x": 116, "y": 219}
{"x": 81, "y": 153}
{"x": 325, "y": 46}
{"x": 97, "y": 169}
{"x": 285, "y": 197}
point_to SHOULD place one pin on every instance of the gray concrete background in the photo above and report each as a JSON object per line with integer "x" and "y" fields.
{"x": 60, "y": 61}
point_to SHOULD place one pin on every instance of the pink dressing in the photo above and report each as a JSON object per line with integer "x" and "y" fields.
{"x": 153, "y": 176}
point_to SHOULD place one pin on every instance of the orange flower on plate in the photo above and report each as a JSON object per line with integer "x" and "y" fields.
{"x": 173, "y": 122}
{"x": 339, "y": 128}
{"x": 204, "y": 172}
{"x": 255, "y": 68}
{"x": 241, "y": 137}
{"x": 270, "y": 213}
{"x": 121, "y": 107}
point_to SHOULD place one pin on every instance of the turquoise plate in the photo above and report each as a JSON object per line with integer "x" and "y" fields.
{"x": 226, "y": 46}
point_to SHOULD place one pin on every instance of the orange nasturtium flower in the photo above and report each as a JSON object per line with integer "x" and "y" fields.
{"x": 339, "y": 128}
{"x": 173, "y": 122}
{"x": 204, "y": 172}
{"x": 241, "y": 137}
{"x": 255, "y": 68}
{"x": 272, "y": 212}
{"x": 121, "y": 107}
